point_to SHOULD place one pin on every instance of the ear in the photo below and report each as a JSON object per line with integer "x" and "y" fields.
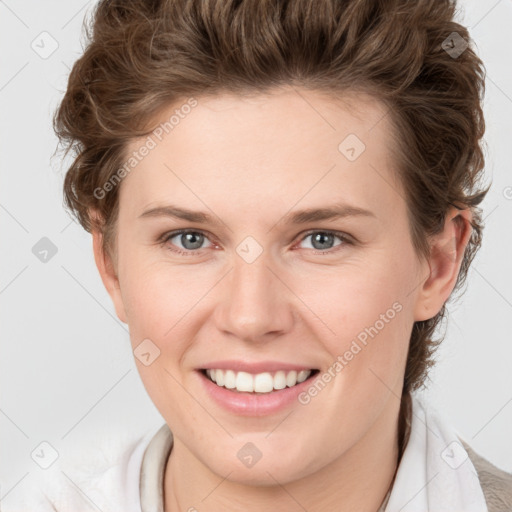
{"x": 447, "y": 252}
{"x": 108, "y": 274}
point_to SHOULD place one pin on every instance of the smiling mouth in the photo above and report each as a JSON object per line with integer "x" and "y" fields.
{"x": 260, "y": 383}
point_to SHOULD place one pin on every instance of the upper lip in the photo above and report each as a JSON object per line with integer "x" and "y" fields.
{"x": 255, "y": 367}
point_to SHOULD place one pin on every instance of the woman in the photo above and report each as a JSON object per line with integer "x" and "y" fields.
{"x": 282, "y": 198}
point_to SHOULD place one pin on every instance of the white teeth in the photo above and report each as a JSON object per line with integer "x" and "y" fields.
{"x": 303, "y": 375}
{"x": 219, "y": 378}
{"x": 244, "y": 381}
{"x": 230, "y": 379}
{"x": 263, "y": 382}
{"x": 280, "y": 380}
{"x": 291, "y": 378}
{"x": 260, "y": 383}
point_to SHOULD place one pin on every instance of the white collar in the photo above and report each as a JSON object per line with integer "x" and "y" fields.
{"x": 153, "y": 470}
{"x": 435, "y": 471}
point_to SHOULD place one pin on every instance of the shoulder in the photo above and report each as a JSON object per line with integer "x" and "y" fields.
{"x": 104, "y": 476}
{"x": 496, "y": 484}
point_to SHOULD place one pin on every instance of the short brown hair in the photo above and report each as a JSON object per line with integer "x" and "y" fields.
{"x": 144, "y": 55}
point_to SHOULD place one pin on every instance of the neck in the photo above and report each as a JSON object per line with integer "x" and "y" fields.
{"x": 357, "y": 480}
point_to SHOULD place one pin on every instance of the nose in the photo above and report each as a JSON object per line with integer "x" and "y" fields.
{"x": 257, "y": 304}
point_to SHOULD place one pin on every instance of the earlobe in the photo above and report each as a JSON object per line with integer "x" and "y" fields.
{"x": 447, "y": 252}
{"x": 108, "y": 274}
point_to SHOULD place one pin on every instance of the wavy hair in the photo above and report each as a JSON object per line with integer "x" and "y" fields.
{"x": 144, "y": 55}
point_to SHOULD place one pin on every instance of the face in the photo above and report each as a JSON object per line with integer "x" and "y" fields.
{"x": 257, "y": 288}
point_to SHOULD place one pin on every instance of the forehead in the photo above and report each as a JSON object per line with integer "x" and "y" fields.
{"x": 275, "y": 150}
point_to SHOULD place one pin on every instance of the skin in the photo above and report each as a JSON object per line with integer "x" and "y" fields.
{"x": 249, "y": 161}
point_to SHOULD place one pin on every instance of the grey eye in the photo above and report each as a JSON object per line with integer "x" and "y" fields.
{"x": 322, "y": 240}
{"x": 189, "y": 240}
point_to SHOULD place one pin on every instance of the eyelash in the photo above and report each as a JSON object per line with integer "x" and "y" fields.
{"x": 164, "y": 239}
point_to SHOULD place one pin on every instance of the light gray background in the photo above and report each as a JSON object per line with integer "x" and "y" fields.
{"x": 67, "y": 370}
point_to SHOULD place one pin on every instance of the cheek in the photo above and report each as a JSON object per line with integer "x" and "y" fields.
{"x": 158, "y": 309}
{"x": 156, "y": 295}
{"x": 370, "y": 324}
{"x": 373, "y": 338}
{"x": 163, "y": 304}
{"x": 362, "y": 301}
{"x": 146, "y": 306}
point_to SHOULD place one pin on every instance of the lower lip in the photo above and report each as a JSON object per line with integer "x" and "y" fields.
{"x": 252, "y": 404}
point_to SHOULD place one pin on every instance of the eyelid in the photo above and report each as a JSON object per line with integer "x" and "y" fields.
{"x": 344, "y": 237}
{"x": 348, "y": 239}
{"x": 164, "y": 238}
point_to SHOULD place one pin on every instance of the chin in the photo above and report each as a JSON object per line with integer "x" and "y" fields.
{"x": 265, "y": 471}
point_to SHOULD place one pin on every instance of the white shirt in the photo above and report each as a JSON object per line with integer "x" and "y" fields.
{"x": 105, "y": 478}
{"x": 131, "y": 478}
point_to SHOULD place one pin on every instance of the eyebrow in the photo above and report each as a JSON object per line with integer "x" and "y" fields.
{"x": 336, "y": 211}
